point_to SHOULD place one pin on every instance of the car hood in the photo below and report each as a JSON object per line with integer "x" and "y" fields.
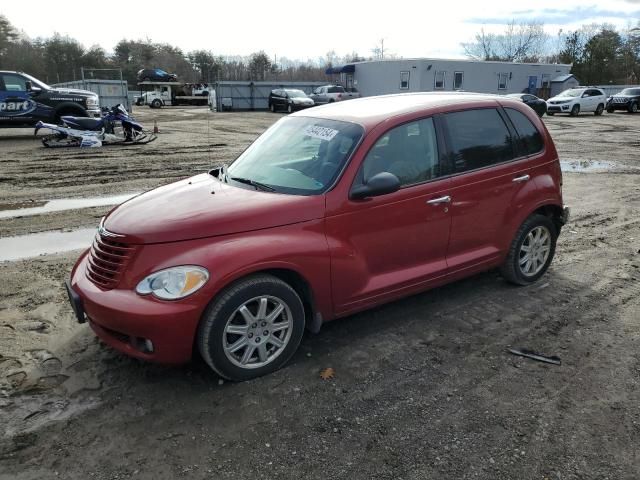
{"x": 562, "y": 99}
{"x": 72, "y": 91}
{"x": 202, "y": 206}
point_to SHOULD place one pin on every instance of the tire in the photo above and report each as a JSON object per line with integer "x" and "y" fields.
{"x": 331, "y": 100}
{"x": 272, "y": 107}
{"x": 633, "y": 108}
{"x": 610, "y": 110}
{"x": 289, "y": 108}
{"x": 599, "y": 110}
{"x": 551, "y": 114}
{"x": 156, "y": 104}
{"x": 575, "y": 111}
{"x": 513, "y": 269}
{"x": 215, "y": 340}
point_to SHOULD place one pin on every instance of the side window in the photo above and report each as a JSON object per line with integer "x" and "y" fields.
{"x": 529, "y": 139}
{"x": 409, "y": 151}
{"x": 458, "y": 79}
{"x": 404, "y": 80}
{"x": 14, "y": 83}
{"x": 439, "y": 80}
{"x": 502, "y": 81}
{"x": 478, "y": 138}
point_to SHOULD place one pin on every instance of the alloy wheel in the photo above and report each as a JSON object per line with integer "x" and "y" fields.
{"x": 534, "y": 251}
{"x": 257, "y": 332}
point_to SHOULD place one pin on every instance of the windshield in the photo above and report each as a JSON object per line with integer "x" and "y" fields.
{"x": 37, "y": 82}
{"x": 571, "y": 93}
{"x": 296, "y": 93}
{"x": 297, "y": 155}
{"x": 630, "y": 91}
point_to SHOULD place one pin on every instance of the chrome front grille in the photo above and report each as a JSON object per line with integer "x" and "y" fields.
{"x": 108, "y": 259}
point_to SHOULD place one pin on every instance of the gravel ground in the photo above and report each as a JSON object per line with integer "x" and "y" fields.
{"x": 424, "y": 387}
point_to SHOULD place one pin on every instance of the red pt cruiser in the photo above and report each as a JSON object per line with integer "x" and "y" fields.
{"x": 331, "y": 211}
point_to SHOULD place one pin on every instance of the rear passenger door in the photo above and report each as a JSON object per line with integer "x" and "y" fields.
{"x": 487, "y": 177}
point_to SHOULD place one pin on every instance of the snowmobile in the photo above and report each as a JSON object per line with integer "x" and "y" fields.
{"x": 116, "y": 127}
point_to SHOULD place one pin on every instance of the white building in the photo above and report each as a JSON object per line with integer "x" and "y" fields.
{"x": 379, "y": 77}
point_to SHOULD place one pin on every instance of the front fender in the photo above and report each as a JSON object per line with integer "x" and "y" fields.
{"x": 301, "y": 248}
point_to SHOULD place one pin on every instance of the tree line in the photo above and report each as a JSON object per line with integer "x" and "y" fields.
{"x": 60, "y": 59}
{"x": 600, "y": 54}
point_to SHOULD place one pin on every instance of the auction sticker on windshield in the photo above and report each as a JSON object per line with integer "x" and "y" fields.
{"x": 323, "y": 133}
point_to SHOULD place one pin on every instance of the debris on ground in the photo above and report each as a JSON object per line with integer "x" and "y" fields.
{"x": 523, "y": 352}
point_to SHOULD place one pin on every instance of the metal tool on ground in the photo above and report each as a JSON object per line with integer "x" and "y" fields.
{"x": 523, "y": 352}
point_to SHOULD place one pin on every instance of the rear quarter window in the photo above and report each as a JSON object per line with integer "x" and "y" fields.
{"x": 478, "y": 138}
{"x": 529, "y": 139}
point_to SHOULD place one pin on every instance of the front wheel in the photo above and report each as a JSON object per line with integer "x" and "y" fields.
{"x": 252, "y": 329}
{"x": 156, "y": 103}
{"x": 599, "y": 110}
{"x": 575, "y": 111}
{"x": 551, "y": 114}
{"x": 289, "y": 108}
{"x": 633, "y": 108}
{"x": 610, "y": 110}
{"x": 272, "y": 107}
{"x": 531, "y": 250}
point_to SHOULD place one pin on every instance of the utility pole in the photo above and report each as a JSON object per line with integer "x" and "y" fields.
{"x": 382, "y": 48}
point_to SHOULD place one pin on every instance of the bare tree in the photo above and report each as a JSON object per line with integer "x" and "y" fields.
{"x": 518, "y": 43}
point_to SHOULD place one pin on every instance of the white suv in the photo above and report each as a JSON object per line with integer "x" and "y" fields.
{"x": 576, "y": 100}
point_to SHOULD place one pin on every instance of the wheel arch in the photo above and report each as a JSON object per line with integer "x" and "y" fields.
{"x": 70, "y": 108}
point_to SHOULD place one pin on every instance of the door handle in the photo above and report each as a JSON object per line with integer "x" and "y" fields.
{"x": 439, "y": 200}
{"x": 523, "y": 178}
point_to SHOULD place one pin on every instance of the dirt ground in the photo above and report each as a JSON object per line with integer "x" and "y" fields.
{"x": 424, "y": 387}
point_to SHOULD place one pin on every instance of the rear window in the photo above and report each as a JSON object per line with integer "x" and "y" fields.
{"x": 336, "y": 90}
{"x": 478, "y": 138}
{"x": 529, "y": 139}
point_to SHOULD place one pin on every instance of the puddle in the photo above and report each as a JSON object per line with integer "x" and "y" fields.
{"x": 36, "y": 244}
{"x": 24, "y": 209}
{"x": 585, "y": 166}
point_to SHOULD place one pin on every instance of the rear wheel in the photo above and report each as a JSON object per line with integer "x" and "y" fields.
{"x": 599, "y": 110}
{"x": 252, "y": 328}
{"x": 575, "y": 111}
{"x": 531, "y": 250}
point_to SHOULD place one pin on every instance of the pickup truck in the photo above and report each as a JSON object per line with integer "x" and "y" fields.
{"x": 174, "y": 93}
{"x": 332, "y": 93}
{"x": 25, "y": 100}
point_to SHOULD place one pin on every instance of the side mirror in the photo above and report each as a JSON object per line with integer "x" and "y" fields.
{"x": 380, "y": 184}
{"x": 31, "y": 89}
{"x": 584, "y": 95}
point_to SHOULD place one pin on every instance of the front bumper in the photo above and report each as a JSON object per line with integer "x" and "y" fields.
{"x": 139, "y": 326}
{"x": 558, "y": 108}
{"x": 95, "y": 113}
{"x": 618, "y": 106}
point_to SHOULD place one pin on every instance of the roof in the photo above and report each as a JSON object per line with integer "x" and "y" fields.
{"x": 470, "y": 60}
{"x": 563, "y": 78}
{"x": 370, "y": 111}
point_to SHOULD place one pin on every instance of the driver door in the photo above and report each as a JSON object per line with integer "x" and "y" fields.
{"x": 388, "y": 246}
{"x": 16, "y": 106}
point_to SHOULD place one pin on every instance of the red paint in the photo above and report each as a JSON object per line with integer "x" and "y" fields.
{"x": 352, "y": 254}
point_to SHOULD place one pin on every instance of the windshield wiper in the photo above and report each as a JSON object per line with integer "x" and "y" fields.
{"x": 253, "y": 183}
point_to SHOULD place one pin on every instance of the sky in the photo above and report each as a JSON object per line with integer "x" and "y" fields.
{"x": 307, "y": 30}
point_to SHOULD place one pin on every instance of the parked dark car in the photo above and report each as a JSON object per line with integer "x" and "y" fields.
{"x": 628, "y": 99}
{"x": 25, "y": 100}
{"x": 539, "y": 105}
{"x": 289, "y": 99}
{"x": 156, "y": 75}
{"x": 328, "y": 213}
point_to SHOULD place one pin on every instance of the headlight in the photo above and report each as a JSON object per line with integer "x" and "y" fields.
{"x": 174, "y": 283}
{"x": 93, "y": 101}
